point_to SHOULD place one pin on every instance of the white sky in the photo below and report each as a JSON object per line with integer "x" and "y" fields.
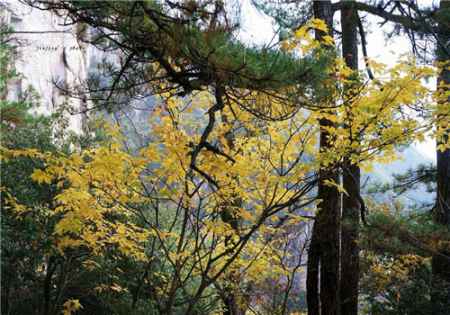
{"x": 258, "y": 29}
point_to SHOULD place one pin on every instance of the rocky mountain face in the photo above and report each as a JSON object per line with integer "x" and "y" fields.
{"x": 52, "y": 56}
{"x": 49, "y": 55}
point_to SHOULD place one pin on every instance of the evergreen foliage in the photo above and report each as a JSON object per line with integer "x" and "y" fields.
{"x": 244, "y": 148}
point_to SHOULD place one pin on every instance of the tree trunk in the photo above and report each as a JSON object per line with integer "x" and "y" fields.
{"x": 351, "y": 181}
{"x": 329, "y": 247}
{"x": 326, "y": 223}
{"x": 312, "y": 274}
{"x": 440, "y": 295}
{"x": 5, "y": 289}
{"x": 230, "y": 304}
{"x": 233, "y": 305}
{"x": 51, "y": 267}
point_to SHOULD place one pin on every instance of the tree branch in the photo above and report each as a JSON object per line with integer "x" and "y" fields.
{"x": 405, "y": 21}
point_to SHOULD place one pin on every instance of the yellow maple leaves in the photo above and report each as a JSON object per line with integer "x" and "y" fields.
{"x": 110, "y": 199}
{"x": 95, "y": 186}
{"x": 370, "y": 117}
{"x": 387, "y": 271}
{"x": 104, "y": 191}
{"x": 71, "y": 306}
{"x": 303, "y": 39}
{"x": 41, "y": 177}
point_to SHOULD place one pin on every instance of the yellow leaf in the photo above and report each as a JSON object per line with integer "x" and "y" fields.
{"x": 319, "y": 24}
{"x": 71, "y": 306}
{"x": 339, "y": 187}
{"x": 41, "y": 177}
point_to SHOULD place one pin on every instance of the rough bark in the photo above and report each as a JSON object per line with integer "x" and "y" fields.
{"x": 329, "y": 247}
{"x": 312, "y": 275}
{"x": 440, "y": 297}
{"x": 326, "y": 223}
{"x": 231, "y": 307}
{"x": 51, "y": 267}
{"x": 232, "y": 304}
{"x": 349, "y": 282}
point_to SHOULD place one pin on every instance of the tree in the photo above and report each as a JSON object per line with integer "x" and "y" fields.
{"x": 348, "y": 228}
{"x": 351, "y": 174}
{"x": 441, "y": 265}
{"x": 218, "y": 115}
{"x": 418, "y": 23}
{"x": 398, "y": 246}
{"x": 324, "y": 247}
{"x": 433, "y": 24}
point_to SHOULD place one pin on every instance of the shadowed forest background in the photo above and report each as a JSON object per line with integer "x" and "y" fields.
{"x": 155, "y": 162}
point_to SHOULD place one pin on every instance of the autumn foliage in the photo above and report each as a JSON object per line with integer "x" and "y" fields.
{"x": 219, "y": 202}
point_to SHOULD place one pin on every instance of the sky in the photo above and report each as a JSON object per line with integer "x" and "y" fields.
{"x": 257, "y": 28}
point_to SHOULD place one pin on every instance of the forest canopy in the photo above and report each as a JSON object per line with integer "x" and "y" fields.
{"x": 244, "y": 190}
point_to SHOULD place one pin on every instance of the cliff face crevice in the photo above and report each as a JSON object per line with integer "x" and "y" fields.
{"x": 50, "y": 55}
